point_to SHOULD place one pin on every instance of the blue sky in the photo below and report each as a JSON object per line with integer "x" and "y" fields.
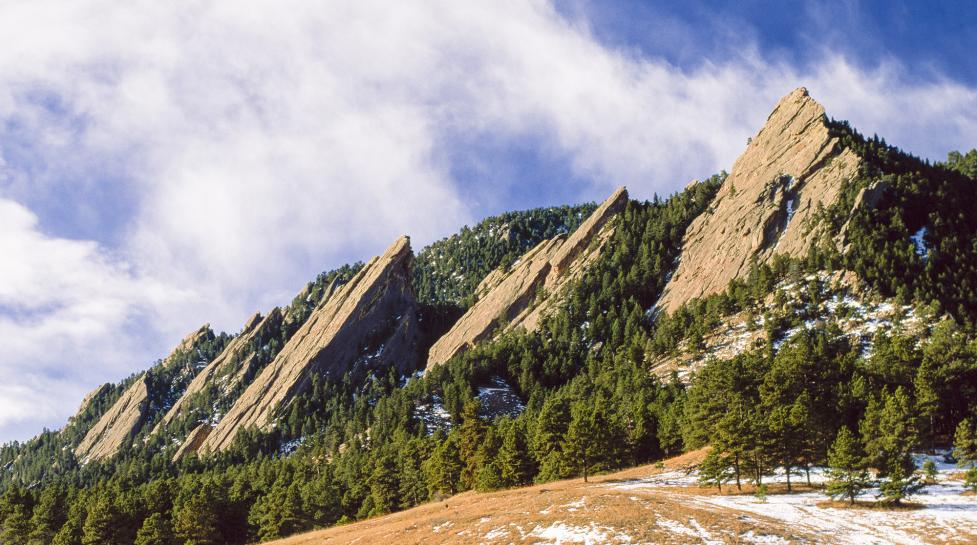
{"x": 166, "y": 164}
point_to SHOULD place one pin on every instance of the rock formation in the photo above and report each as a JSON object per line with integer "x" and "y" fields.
{"x": 767, "y": 205}
{"x": 232, "y": 367}
{"x": 91, "y": 397}
{"x": 117, "y": 425}
{"x": 509, "y": 296}
{"x": 193, "y": 441}
{"x": 123, "y": 420}
{"x": 369, "y": 322}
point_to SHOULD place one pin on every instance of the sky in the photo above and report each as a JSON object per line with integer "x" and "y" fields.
{"x": 167, "y": 164}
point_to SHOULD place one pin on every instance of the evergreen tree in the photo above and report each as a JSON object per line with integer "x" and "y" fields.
{"x": 965, "y": 443}
{"x": 847, "y": 476}
{"x": 889, "y": 433}
{"x": 49, "y": 515}
{"x": 514, "y": 463}
{"x": 384, "y": 485}
{"x": 155, "y": 530}
{"x": 580, "y": 445}
{"x": 443, "y": 469}
{"x": 102, "y": 523}
{"x": 899, "y": 485}
{"x": 195, "y": 517}
{"x": 16, "y": 526}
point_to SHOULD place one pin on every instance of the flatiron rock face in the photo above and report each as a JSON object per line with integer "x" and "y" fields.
{"x": 123, "y": 420}
{"x": 117, "y": 425}
{"x": 768, "y": 202}
{"x": 193, "y": 441}
{"x": 234, "y": 359}
{"x": 512, "y": 296}
{"x": 369, "y": 322}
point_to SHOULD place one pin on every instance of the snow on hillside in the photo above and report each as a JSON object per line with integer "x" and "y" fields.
{"x": 941, "y": 513}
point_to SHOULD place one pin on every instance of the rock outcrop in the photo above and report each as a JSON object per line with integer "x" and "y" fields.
{"x": 369, "y": 322}
{"x": 513, "y": 297}
{"x": 123, "y": 420}
{"x": 768, "y": 203}
{"x": 117, "y": 425}
{"x": 233, "y": 367}
{"x": 193, "y": 441}
{"x": 91, "y": 397}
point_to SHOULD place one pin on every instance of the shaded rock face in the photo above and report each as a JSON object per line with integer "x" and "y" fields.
{"x": 193, "y": 441}
{"x": 512, "y": 297}
{"x": 117, "y": 425}
{"x": 233, "y": 366}
{"x": 123, "y": 420}
{"x": 767, "y": 204}
{"x": 369, "y": 322}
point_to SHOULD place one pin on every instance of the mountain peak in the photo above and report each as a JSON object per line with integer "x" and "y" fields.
{"x": 766, "y": 205}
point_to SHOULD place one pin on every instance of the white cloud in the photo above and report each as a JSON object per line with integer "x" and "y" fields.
{"x": 251, "y": 143}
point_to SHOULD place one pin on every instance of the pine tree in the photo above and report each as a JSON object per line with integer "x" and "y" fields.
{"x": 965, "y": 443}
{"x": 102, "y": 523}
{"x": 580, "y": 444}
{"x": 889, "y": 432}
{"x": 443, "y": 468}
{"x": 385, "y": 485}
{"x": 470, "y": 435}
{"x": 16, "y": 527}
{"x": 71, "y": 531}
{"x": 195, "y": 517}
{"x": 49, "y": 515}
{"x": 514, "y": 463}
{"x": 716, "y": 469}
{"x": 899, "y": 485}
{"x": 847, "y": 475}
{"x": 155, "y": 530}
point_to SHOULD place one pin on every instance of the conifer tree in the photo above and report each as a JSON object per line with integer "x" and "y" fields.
{"x": 847, "y": 476}
{"x": 50, "y": 514}
{"x": 580, "y": 444}
{"x": 102, "y": 523}
{"x": 514, "y": 462}
{"x": 443, "y": 468}
{"x": 155, "y": 530}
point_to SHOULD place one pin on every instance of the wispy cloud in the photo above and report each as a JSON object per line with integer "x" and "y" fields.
{"x": 211, "y": 155}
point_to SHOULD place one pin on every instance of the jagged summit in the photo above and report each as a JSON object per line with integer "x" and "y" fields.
{"x": 767, "y": 204}
{"x": 512, "y": 296}
{"x": 369, "y": 322}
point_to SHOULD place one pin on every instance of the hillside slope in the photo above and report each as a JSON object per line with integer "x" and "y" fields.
{"x": 661, "y": 504}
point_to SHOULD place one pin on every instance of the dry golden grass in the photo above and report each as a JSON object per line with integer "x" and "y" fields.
{"x": 511, "y": 516}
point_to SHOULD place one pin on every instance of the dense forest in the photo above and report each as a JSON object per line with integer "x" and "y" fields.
{"x": 805, "y": 396}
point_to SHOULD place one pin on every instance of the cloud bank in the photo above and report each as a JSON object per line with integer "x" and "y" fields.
{"x": 167, "y": 164}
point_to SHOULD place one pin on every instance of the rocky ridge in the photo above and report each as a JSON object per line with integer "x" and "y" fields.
{"x": 369, "y": 322}
{"x": 768, "y": 203}
{"x": 509, "y": 296}
{"x": 231, "y": 366}
{"x": 123, "y": 420}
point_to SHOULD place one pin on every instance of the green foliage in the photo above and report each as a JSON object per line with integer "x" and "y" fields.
{"x": 449, "y": 270}
{"x": 847, "y": 476}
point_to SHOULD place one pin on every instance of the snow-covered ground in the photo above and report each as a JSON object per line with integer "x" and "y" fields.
{"x": 940, "y": 513}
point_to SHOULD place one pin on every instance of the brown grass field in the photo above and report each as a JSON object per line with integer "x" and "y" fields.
{"x": 609, "y": 514}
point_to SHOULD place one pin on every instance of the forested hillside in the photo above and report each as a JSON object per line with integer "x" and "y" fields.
{"x": 587, "y": 399}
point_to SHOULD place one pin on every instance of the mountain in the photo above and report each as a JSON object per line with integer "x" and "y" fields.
{"x": 823, "y": 292}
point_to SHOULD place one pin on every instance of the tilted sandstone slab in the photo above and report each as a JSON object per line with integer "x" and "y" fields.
{"x": 123, "y": 420}
{"x": 508, "y": 297}
{"x": 236, "y": 357}
{"x": 193, "y": 441}
{"x": 369, "y": 322}
{"x": 767, "y": 204}
{"x": 117, "y": 425}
